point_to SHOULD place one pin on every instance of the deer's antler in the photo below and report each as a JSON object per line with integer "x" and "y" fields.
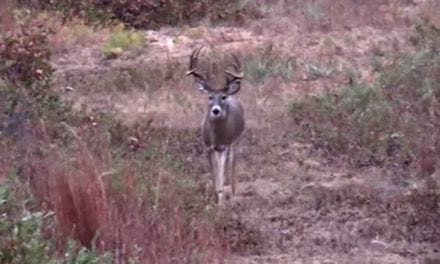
{"x": 204, "y": 86}
{"x": 233, "y": 84}
{"x": 238, "y": 74}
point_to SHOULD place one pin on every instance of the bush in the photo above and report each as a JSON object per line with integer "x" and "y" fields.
{"x": 25, "y": 79}
{"x": 22, "y": 239}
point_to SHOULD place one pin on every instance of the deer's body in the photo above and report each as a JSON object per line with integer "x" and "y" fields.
{"x": 222, "y": 125}
{"x": 227, "y": 131}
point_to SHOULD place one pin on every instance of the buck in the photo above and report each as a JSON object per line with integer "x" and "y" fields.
{"x": 223, "y": 123}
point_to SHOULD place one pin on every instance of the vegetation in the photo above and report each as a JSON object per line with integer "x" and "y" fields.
{"x": 122, "y": 40}
{"x": 143, "y": 14}
{"x": 396, "y": 117}
{"x": 268, "y": 64}
{"x": 79, "y": 186}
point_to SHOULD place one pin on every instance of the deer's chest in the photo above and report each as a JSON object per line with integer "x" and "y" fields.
{"x": 222, "y": 133}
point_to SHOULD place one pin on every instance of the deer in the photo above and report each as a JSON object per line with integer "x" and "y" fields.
{"x": 223, "y": 123}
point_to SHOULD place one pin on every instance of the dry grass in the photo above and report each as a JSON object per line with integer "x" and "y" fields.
{"x": 390, "y": 119}
{"x": 130, "y": 202}
{"x": 110, "y": 204}
{"x": 133, "y": 191}
{"x": 73, "y": 34}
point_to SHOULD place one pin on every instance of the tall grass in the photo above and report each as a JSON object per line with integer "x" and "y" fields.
{"x": 74, "y": 189}
{"x": 109, "y": 205}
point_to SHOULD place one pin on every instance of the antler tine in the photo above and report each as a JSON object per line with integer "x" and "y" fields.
{"x": 237, "y": 67}
{"x": 193, "y": 61}
{"x": 237, "y": 64}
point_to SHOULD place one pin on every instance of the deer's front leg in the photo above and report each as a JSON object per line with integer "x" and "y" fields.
{"x": 220, "y": 157}
{"x": 231, "y": 162}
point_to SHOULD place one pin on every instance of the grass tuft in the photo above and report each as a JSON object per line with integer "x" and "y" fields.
{"x": 267, "y": 64}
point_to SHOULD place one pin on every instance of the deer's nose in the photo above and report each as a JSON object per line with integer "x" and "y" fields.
{"x": 216, "y": 110}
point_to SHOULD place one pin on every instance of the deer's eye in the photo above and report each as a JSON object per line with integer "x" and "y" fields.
{"x": 224, "y": 97}
{"x": 211, "y": 98}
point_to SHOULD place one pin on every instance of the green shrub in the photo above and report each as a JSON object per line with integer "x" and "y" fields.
{"x": 26, "y": 231}
{"x": 122, "y": 40}
{"x": 22, "y": 239}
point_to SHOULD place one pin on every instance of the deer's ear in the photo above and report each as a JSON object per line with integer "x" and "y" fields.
{"x": 232, "y": 87}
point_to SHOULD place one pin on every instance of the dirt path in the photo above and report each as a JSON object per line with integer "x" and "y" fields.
{"x": 294, "y": 204}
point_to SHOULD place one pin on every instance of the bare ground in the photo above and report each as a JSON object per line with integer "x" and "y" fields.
{"x": 294, "y": 203}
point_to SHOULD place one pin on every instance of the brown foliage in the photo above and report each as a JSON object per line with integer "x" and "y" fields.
{"x": 140, "y": 14}
{"x": 78, "y": 185}
{"x": 25, "y": 55}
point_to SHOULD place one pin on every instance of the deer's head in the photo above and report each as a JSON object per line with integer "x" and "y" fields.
{"x": 219, "y": 99}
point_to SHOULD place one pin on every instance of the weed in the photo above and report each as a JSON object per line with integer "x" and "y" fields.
{"x": 319, "y": 70}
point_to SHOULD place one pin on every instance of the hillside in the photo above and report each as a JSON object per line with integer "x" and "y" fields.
{"x": 318, "y": 179}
